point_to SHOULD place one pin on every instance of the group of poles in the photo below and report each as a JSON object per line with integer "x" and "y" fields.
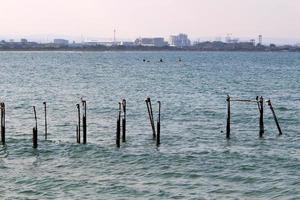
{"x": 121, "y": 120}
{"x": 155, "y": 132}
{"x": 260, "y": 104}
{"x": 82, "y": 123}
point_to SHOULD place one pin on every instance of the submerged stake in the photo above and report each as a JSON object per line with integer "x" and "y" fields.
{"x": 78, "y": 126}
{"x": 118, "y": 132}
{"x": 158, "y": 125}
{"x": 228, "y": 118}
{"x": 275, "y": 117}
{"x": 2, "y": 107}
{"x": 150, "y": 112}
{"x": 45, "y": 109}
{"x": 261, "y": 117}
{"x": 35, "y": 131}
{"x": 124, "y": 121}
{"x": 84, "y": 126}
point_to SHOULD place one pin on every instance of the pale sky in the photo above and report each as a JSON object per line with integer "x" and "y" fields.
{"x": 134, "y": 18}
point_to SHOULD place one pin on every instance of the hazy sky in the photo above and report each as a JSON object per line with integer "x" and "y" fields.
{"x": 133, "y": 18}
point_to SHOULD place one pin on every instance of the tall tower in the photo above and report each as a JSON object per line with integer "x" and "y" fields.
{"x": 114, "y": 36}
{"x": 260, "y": 39}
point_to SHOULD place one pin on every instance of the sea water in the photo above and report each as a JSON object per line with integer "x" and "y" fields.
{"x": 194, "y": 161}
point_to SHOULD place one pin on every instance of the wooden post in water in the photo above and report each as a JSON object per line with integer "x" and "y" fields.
{"x": 35, "y": 131}
{"x": 2, "y": 107}
{"x": 124, "y": 121}
{"x": 118, "y": 133}
{"x": 153, "y": 124}
{"x": 45, "y": 110}
{"x": 261, "y": 117}
{"x": 84, "y": 126}
{"x": 78, "y": 126}
{"x": 150, "y": 112}
{"x": 228, "y": 118}
{"x": 158, "y": 125}
{"x": 275, "y": 117}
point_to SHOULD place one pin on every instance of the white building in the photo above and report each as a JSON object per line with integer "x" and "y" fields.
{"x": 180, "y": 40}
{"x": 127, "y": 44}
{"x": 61, "y": 41}
{"x": 151, "y": 42}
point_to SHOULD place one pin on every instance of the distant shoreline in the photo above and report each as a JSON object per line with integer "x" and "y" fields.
{"x": 209, "y": 46}
{"x": 135, "y": 50}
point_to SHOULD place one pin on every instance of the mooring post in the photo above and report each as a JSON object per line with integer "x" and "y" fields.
{"x": 153, "y": 125}
{"x": 78, "y": 126}
{"x": 158, "y": 125}
{"x": 150, "y": 112}
{"x": 228, "y": 118}
{"x": 275, "y": 117}
{"x": 35, "y": 131}
{"x": 261, "y": 117}
{"x": 124, "y": 121}
{"x": 2, "y": 105}
{"x": 84, "y": 127}
{"x": 45, "y": 110}
{"x": 118, "y": 133}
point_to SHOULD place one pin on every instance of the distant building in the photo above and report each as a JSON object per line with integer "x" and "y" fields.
{"x": 61, "y": 41}
{"x": 127, "y": 44}
{"x": 152, "y": 42}
{"x": 260, "y": 39}
{"x": 23, "y": 40}
{"x": 101, "y": 43}
{"x": 180, "y": 40}
{"x": 230, "y": 40}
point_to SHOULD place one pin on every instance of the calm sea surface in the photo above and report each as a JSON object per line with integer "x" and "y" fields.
{"x": 194, "y": 161}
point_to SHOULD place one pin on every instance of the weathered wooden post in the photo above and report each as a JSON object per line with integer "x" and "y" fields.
{"x": 118, "y": 132}
{"x": 158, "y": 125}
{"x": 78, "y": 126}
{"x": 45, "y": 110}
{"x": 124, "y": 121}
{"x": 35, "y": 131}
{"x": 150, "y": 112}
{"x": 228, "y": 118}
{"x": 2, "y": 107}
{"x": 84, "y": 126}
{"x": 275, "y": 117}
{"x": 261, "y": 117}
